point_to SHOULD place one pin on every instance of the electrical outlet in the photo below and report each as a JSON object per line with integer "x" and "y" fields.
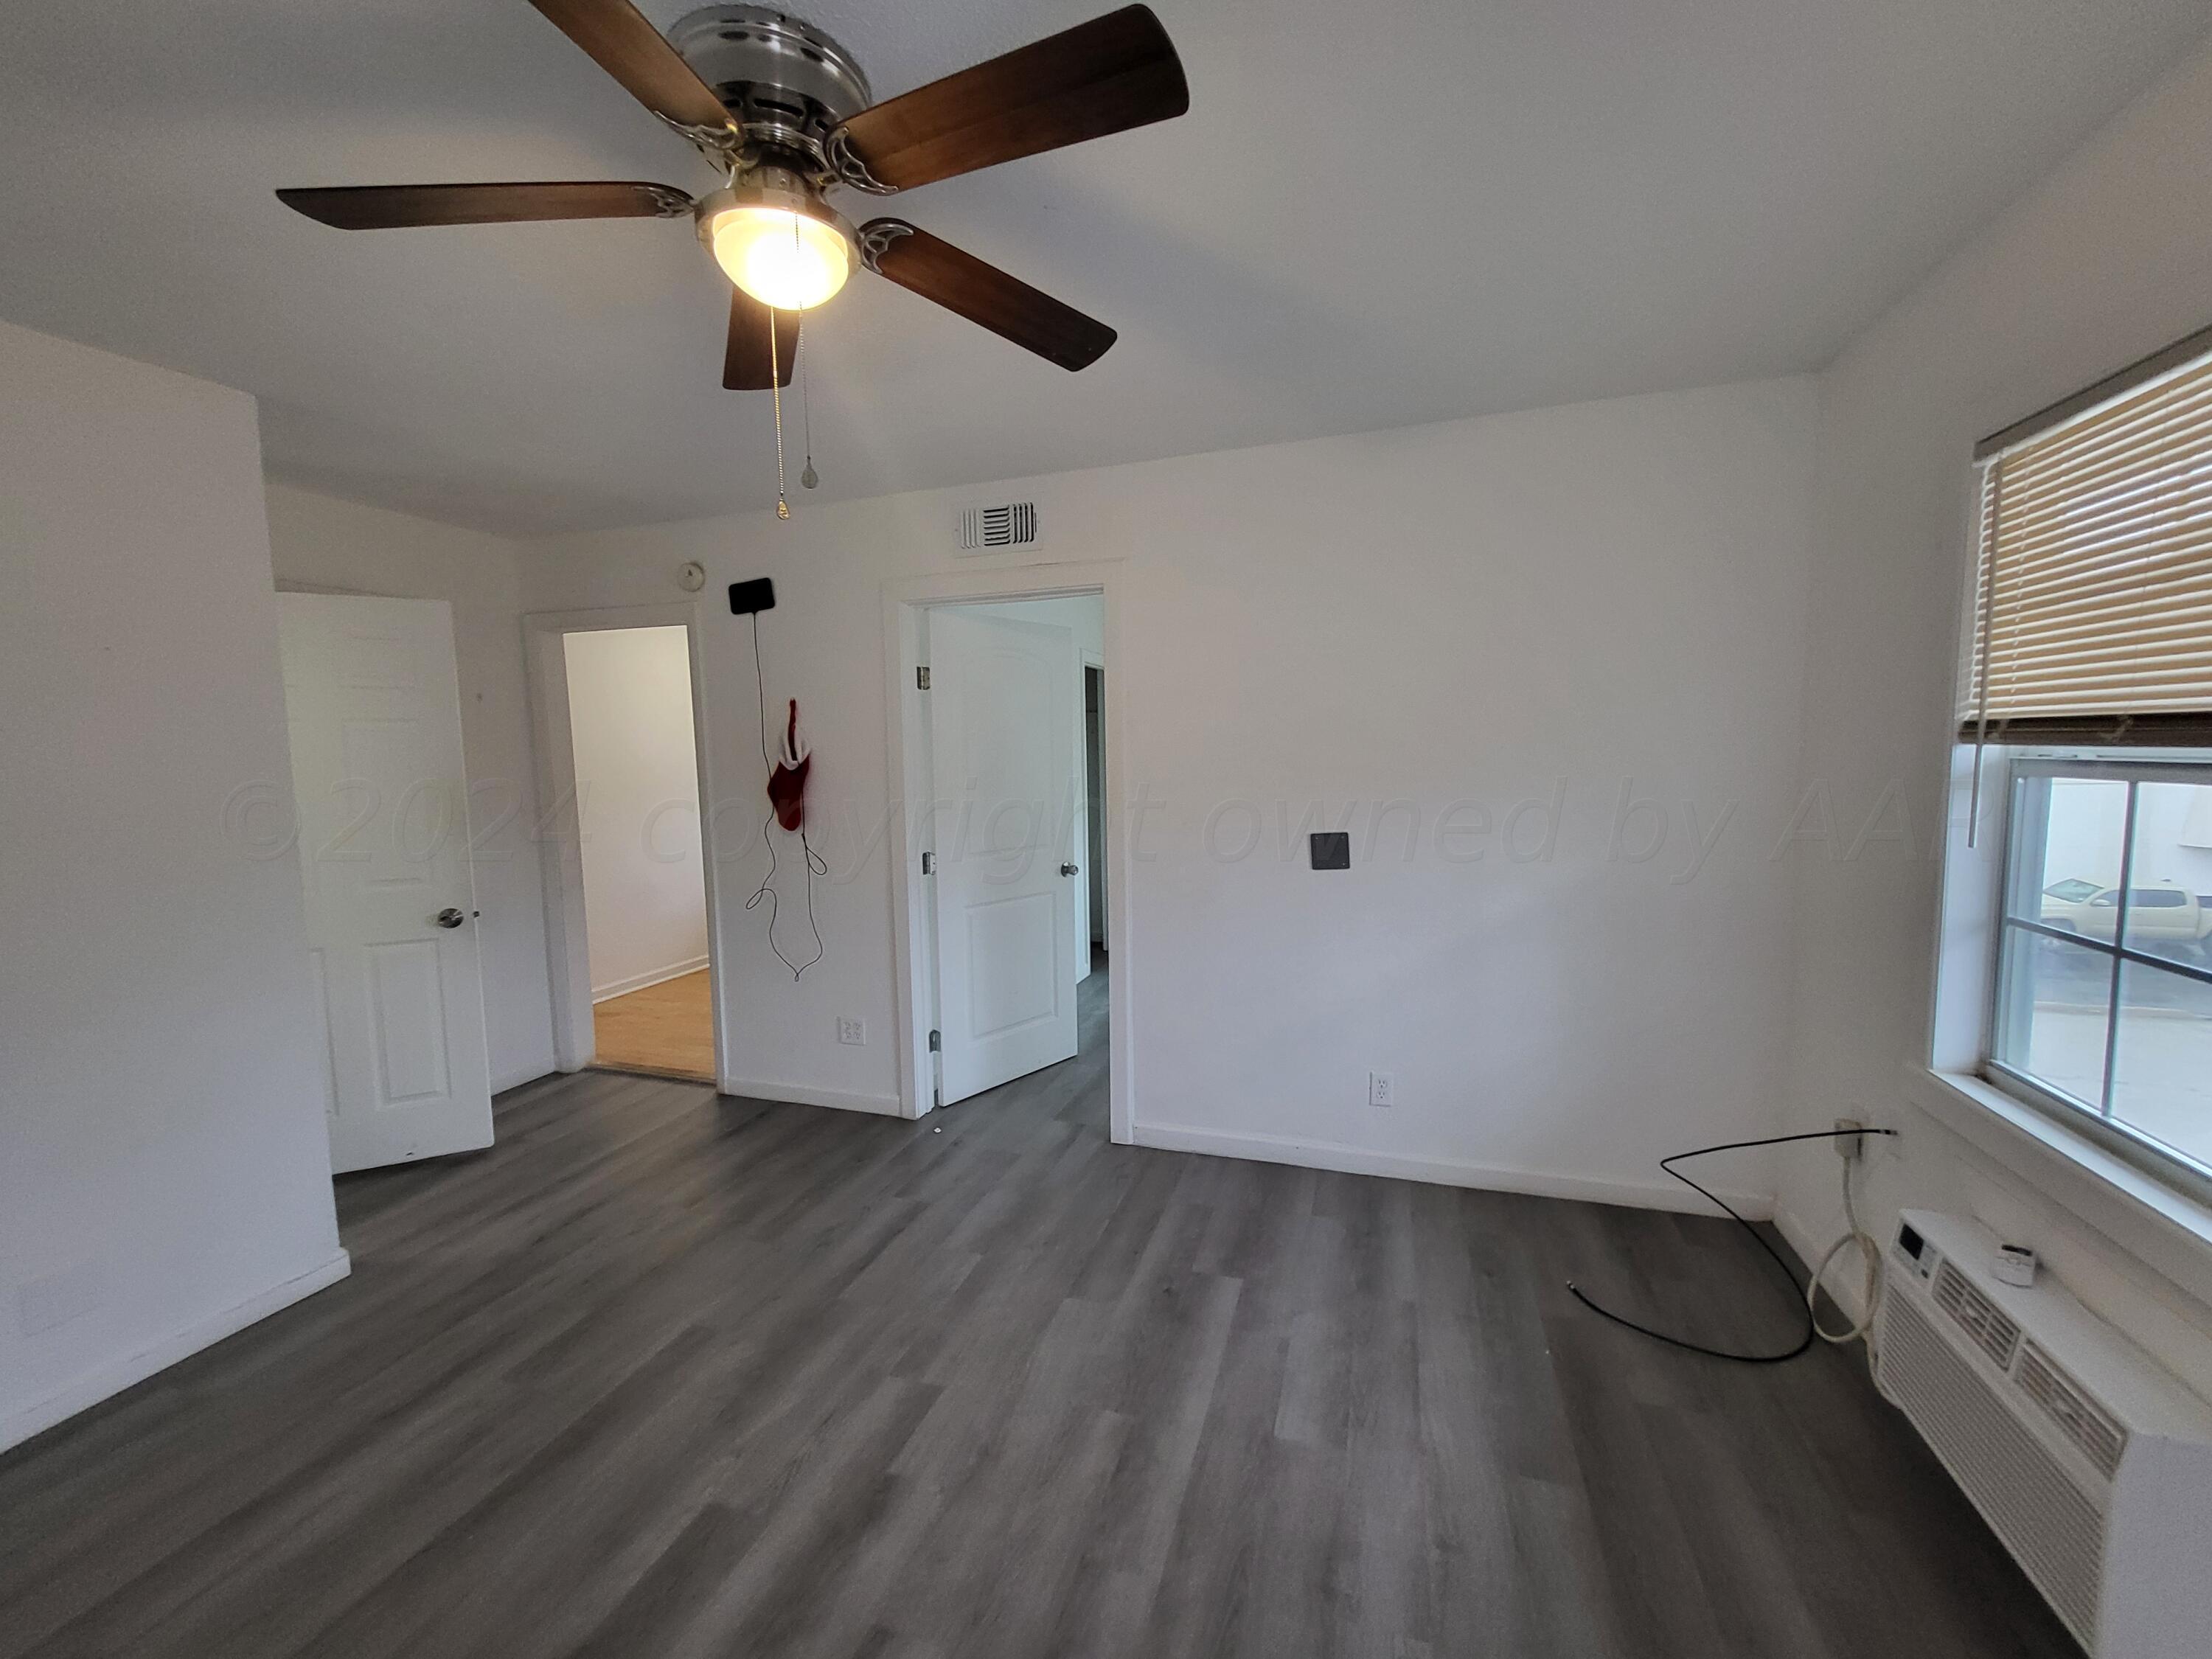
{"x": 1382, "y": 1091}
{"x": 1850, "y": 1140}
{"x": 851, "y": 1030}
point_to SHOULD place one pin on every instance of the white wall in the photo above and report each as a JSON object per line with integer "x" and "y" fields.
{"x": 1478, "y": 613}
{"x": 164, "y": 1165}
{"x": 637, "y": 784}
{"x": 2110, "y": 258}
{"x": 320, "y": 543}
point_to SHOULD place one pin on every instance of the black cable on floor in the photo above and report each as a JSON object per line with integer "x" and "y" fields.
{"x": 1667, "y": 1164}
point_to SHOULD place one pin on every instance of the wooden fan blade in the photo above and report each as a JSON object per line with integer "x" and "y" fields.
{"x": 1107, "y": 76}
{"x": 983, "y": 294}
{"x": 384, "y": 207}
{"x": 745, "y": 362}
{"x": 620, "y": 41}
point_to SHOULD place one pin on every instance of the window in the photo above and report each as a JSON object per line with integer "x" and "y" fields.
{"x": 2091, "y": 664}
{"x": 2104, "y": 1000}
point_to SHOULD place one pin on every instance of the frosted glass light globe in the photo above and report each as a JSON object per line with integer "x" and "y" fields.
{"x": 792, "y": 261}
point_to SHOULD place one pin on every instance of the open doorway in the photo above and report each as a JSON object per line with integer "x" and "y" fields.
{"x": 1006, "y": 760}
{"x": 620, "y": 744}
{"x": 645, "y": 893}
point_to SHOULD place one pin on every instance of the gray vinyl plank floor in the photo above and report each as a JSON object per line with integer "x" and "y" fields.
{"x": 668, "y": 1373}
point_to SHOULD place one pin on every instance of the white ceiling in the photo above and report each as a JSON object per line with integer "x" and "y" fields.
{"x": 1375, "y": 213}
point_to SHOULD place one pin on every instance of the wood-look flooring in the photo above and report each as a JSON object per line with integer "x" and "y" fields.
{"x": 667, "y": 1029}
{"x": 663, "y": 1374}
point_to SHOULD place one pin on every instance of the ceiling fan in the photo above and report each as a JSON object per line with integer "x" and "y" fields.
{"x": 786, "y": 113}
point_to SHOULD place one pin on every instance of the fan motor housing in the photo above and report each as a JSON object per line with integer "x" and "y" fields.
{"x": 786, "y": 82}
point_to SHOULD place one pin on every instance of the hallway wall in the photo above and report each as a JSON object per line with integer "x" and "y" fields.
{"x": 637, "y": 785}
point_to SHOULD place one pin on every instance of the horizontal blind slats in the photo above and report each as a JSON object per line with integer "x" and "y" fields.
{"x": 2115, "y": 592}
{"x": 2117, "y": 443}
{"x": 2094, "y": 579}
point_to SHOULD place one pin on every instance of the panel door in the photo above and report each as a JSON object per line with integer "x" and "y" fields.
{"x": 1001, "y": 717}
{"x": 373, "y": 707}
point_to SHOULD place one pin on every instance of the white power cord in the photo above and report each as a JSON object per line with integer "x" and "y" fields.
{"x": 1870, "y": 1253}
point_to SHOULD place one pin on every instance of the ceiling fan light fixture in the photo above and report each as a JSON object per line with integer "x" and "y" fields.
{"x": 784, "y": 112}
{"x": 780, "y": 245}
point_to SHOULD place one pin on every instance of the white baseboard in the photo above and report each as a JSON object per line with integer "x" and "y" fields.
{"x": 799, "y": 1094}
{"x": 622, "y": 987}
{"x": 1661, "y": 1195}
{"x": 113, "y": 1377}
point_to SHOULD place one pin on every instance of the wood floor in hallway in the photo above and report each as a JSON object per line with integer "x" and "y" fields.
{"x": 664, "y": 1374}
{"x": 667, "y": 1028}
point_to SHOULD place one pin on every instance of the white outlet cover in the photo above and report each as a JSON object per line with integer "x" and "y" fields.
{"x": 851, "y": 1030}
{"x": 1381, "y": 1089}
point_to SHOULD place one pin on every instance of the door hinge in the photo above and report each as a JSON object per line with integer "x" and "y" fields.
{"x": 929, "y": 863}
{"x": 936, "y": 1042}
{"x": 921, "y": 680}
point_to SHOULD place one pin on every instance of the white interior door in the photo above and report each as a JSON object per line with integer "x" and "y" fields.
{"x": 375, "y": 709}
{"x": 1000, "y": 717}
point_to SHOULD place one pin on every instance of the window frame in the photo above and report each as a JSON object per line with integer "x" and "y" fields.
{"x": 2168, "y": 1165}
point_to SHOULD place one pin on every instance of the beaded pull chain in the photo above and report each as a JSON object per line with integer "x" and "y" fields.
{"x": 775, "y": 385}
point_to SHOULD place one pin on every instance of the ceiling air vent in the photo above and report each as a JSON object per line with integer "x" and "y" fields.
{"x": 1995, "y": 1334}
{"x": 986, "y": 529}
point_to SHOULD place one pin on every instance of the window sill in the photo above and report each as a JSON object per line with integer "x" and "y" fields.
{"x": 2163, "y": 1229}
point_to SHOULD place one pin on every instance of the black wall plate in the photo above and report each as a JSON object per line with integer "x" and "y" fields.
{"x": 1332, "y": 850}
{"x": 746, "y": 598}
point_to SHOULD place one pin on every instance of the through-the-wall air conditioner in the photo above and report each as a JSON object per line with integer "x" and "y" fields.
{"x": 2091, "y": 1461}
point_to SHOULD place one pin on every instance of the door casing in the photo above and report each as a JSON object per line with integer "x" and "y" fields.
{"x": 567, "y": 956}
{"x": 906, "y": 722}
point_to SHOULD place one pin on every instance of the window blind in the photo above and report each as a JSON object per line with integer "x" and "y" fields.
{"x": 2093, "y": 600}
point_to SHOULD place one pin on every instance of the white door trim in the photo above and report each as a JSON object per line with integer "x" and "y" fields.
{"x": 904, "y": 599}
{"x": 568, "y": 956}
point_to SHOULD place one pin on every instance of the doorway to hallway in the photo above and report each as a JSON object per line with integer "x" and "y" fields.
{"x": 1007, "y": 835}
{"x": 622, "y": 750}
{"x": 638, "y": 805}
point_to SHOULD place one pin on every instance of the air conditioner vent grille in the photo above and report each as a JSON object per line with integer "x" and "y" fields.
{"x": 2077, "y": 1417}
{"x": 1993, "y": 1332}
{"x": 2051, "y": 1526}
{"x": 1009, "y": 523}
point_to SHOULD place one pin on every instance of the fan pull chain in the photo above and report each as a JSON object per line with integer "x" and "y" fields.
{"x": 775, "y": 385}
{"x": 808, "y": 477}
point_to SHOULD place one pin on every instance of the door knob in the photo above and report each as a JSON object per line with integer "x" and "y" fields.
{"x": 450, "y": 917}
{"x": 1066, "y": 869}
